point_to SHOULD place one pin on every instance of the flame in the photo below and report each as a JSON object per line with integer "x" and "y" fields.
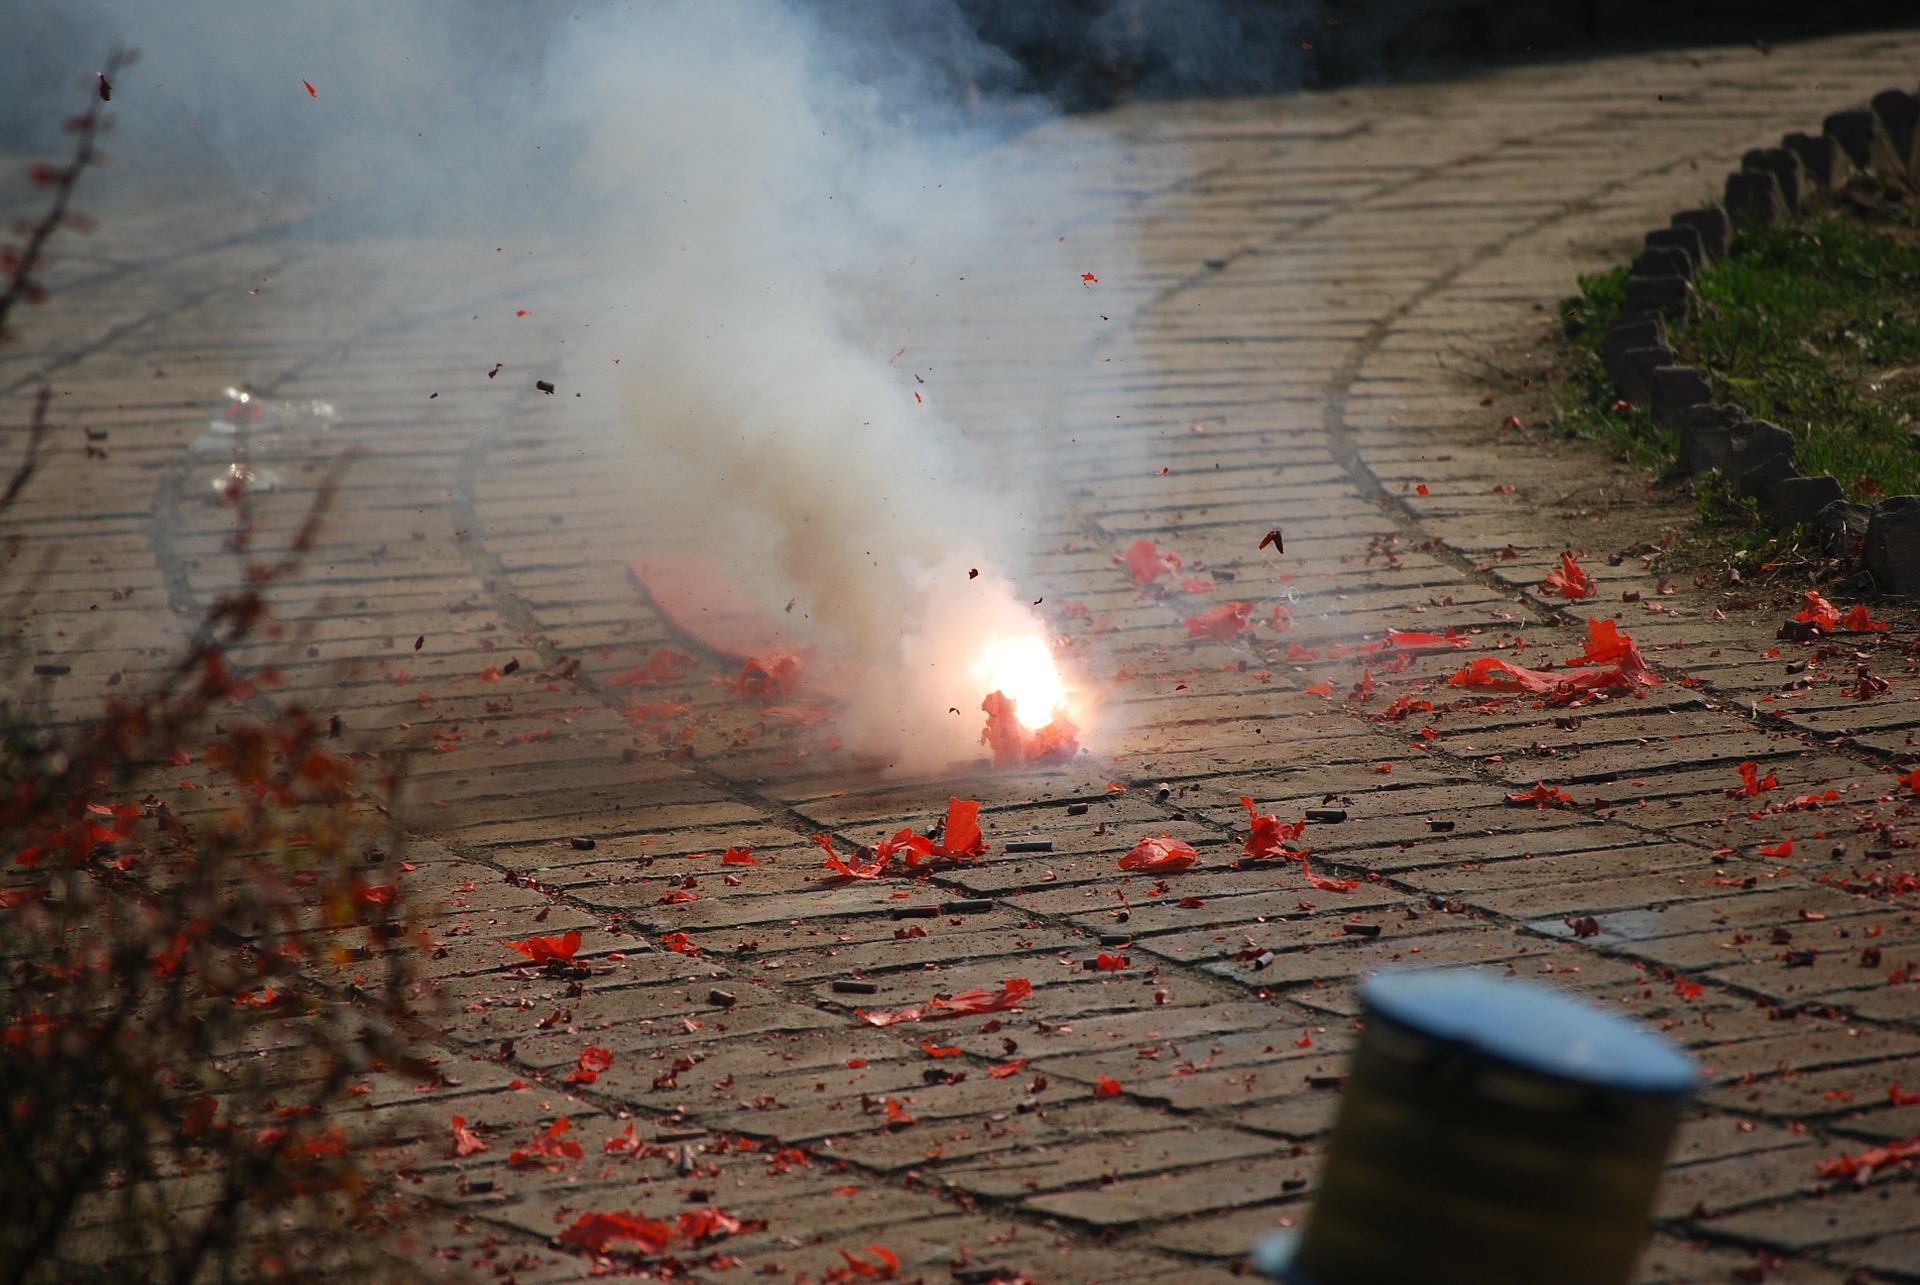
{"x": 1024, "y": 670}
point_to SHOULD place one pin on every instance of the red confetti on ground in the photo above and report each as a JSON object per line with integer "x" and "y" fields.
{"x": 1148, "y": 563}
{"x": 1006, "y": 1069}
{"x": 549, "y": 1146}
{"x": 1604, "y": 640}
{"x": 1159, "y": 856}
{"x": 886, "y": 1264}
{"x": 311, "y": 91}
{"x": 1270, "y": 833}
{"x": 1541, "y": 795}
{"x": 593, "y": 1060}
{"x": 1861, "y": 1167}
{"x": 965, "y": 1003}
{"x": 1782, "y": 849}
{"x": 663, "y": 666}
{"x": 544, "y": 949}
{"x": 1222, "y": 623}
{"x": 1751, "y": 782}
{"x": 1414, "y": 638}
{"x": 777, "y": 676}
{"x": 1107, "y": 1088}
{"x": 465, "y": 1141}
{"x": 739, "y": 857}
{"x": 600, "y": 1233}
{"x": 1570, "y": 580}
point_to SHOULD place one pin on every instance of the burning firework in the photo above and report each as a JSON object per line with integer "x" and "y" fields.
{"x": 1029, "y": 719}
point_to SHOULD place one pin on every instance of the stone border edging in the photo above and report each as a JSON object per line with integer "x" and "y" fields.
{"x": 1756, "y": 457}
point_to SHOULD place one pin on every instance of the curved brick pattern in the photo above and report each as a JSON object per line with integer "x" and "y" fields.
{"x": 1324, "y": 289}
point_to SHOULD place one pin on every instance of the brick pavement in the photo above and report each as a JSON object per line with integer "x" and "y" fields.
{"x": 1321, "y": 289}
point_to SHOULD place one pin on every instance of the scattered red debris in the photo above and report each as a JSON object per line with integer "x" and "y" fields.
{"x": 1108, "y": 1087}
{"x": 1103, "y": 962}
{"x": 1570, "y": 580}
{"x": 934, "y": 1050}
{"x": 964, "y": 1004}
{"x": 1006, "y": 1069}
{"x": 1088, "y": 280}
{"x": 739, "y": 857}
{"x": 1158, "y": 856}
{"x": 1781, "y": 849}
{"x": 679, "y": 944}
{"x": 772, "y": 678}
{"x": 544, "y": 949}
{"x": 593, "y": 1060}
{"x": 601, "y": 1233}
{"x": 663, "y": 666}
{"x": 1542, "y": 795}
{"x": 1270, "y": 834}
{"x": 1861, "y": 1168}
{"x": 549, "y": 1146}
{"x": 897, "y": 1114}
{"x": 465, "y": 1141}
{"x": 960, "y": 838}
{"x": 1859, "y": 622}
{"x": 1147, "y": 562}
{"x": 1224, "y": 622}
{"x": 1897, "y": 1097}
{"x": 1629, "y": 671}
{"x": 1751, "y": 782}
{"x": 1415, "y": 638}
{"x": 886, "y": 1264}
{"x": 311, "y": 91}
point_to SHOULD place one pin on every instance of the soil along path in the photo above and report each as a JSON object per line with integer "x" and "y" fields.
{"x": 1326, "y": 290}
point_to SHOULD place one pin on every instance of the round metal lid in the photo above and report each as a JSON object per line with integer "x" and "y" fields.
{"x": 1536, "y": 1027}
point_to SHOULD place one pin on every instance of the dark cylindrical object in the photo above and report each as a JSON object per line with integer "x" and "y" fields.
{"x": 1030, "y": 845}
{"x": 1493, "y": 1132}
{"x": 967, "y": 906}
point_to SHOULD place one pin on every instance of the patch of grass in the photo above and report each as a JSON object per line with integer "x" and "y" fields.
{"x": 1813, "y": 325}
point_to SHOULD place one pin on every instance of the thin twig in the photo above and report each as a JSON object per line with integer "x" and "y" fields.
{"x": 36, "y": 437}
{"x": 20, "y": 284}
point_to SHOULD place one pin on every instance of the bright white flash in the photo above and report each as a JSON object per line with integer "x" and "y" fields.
{"x": 1022, "y": 669}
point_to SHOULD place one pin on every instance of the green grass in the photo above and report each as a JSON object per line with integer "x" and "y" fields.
{"x": 1813, "y": 325}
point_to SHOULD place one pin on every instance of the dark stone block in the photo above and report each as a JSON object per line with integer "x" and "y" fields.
{"x": 1648, "y": 331}
{"x": 1863, "y": 135}
{"x": 1899, "y": 111}
{"x": 1759, "y": 457}
{"x": 1798, "y": 501}
{"x": 1754, "y": 197}
{"x": 1674, "y": 389}
{"x": 1669, "y": 295}
{"x": 1706, "y": 436}
{"x": 1713, "y": 225}
{"x": 1842, "y": 528}
{"x": 1633, "y": 376}
{"x": 1824, "y": 160}
{"x": 1680, "y": 238}
{"x": 1784, "y": 165}
{"x": 1663, "y": 261}
{"x": 1765, "y": 478}
{"x": 1893, "y": 544}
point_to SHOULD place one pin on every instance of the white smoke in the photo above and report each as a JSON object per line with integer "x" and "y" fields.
{"x": 775, "y": 197}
